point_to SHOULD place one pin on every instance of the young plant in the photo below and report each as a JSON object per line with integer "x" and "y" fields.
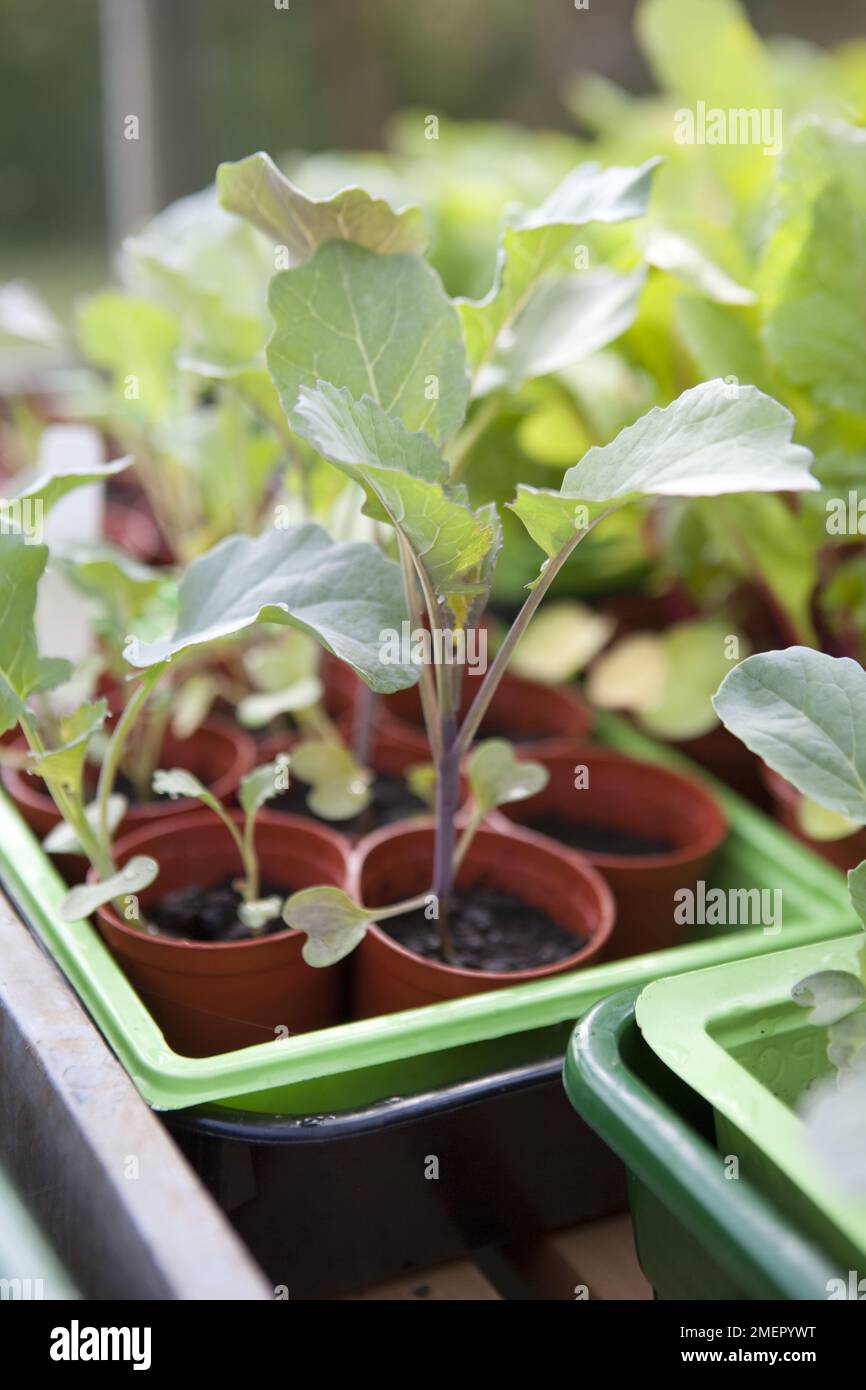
{"x": 342, "y": 594}
{"x": 258, "y": 787}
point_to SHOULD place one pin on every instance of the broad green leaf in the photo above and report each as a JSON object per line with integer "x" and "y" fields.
{"x": 21, "y": 670}
{"x": 333, "y": 923}
{"x": 211, "y": 269}
{"x": 343, "y": 595}
{"x": 496, "y": 777}
{"x": 262, "y": 784}
{"x": 405, "y": 474}
{"x": 566, "y": 319}
{"x": 340, "y": 786}
{"x": 256, "y": 189}
{"x": 631, "y": 675}
{"x": 111, "y": 575}
{"x": 816, "y": 331}
{"x": 678, "y": 255}
{"x": 48, "y": 489}
{"x": 62, "y": 838}
{"x": 722, "y": 341}
{"x": 717, "y": 59}
{"x": 139, "y": 873}
{"x": 560, "y": 641}
{"x": 63, "y": 765}
{"x": 534, "y": 242}
{"x": 380, "y": 326}
{"x": 804, "y": 713}
{"x": 256, "y": 711}
{"x": 136, "y": 341}
{"x": 712, "y": 440}
{"x": 667, "y": 679}
{"x": 830, "y": 994}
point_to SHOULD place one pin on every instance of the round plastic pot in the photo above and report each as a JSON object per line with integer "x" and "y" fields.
{"x": 396, "y": 862}
{"x": 214, "y": 997}
{"x": 698, "y": 1235}
{"x": 844, "y": 854}
{"x": 135, "y": 531}
{"x": 218, "y": 753}
{"x": 537, "y": 718}
{"x": 640, "y": 799}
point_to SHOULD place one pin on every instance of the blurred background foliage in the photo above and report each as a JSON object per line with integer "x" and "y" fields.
{"x": 236, "y": 75}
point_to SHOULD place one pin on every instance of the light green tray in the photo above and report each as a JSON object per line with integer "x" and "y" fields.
{"x": 358, "y": 1063}
{"x": 733, "y": 1033}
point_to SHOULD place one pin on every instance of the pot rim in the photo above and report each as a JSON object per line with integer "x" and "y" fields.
{"x": 686, "y": 787}
{"x": 22, "y": 787}
{"x": 137, "y": 841}
{"x": 598, "y": 932}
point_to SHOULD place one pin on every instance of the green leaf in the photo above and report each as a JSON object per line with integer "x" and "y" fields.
{"x": 256, "y": 915}
{"x": 177, "y": 782}
{"x": 560, "y": 641}
{"x": 62, "y": 838}
{"x": 421, "y": 780}
{"x": 533, "y": 243}
{"x": 377, "y": 325}
{"x": 816, "y": 329}
{"x": 804, "y": 713}
{"x": 668, "y": 679}
{"x": 340, "y": 786}
{"x": 721, "y": 340}
{"x": 405, "y": 474}
{"x": 830, "y": 994}
{"x": 566, "y": 320}
{"x": 48, "y": 489}
{"x": 678, "y": 255}
{"x": 63, "y": 765}
{"x": 332, "y": 922}
{"x": 139, "y": 873}
{"x": 343, "y": 595}
{"x": 256, "y": 189}
{"x": 819, "y": 823}
{"x": 496, "y": 777}
{"x": 857, "y": 893}
{"x": 262, "y": 784}
{"x": 21, "y": 671}
{"x": 191, "y": 704}
{"x": 712, "y": 440}
{"x": 256, "y": 711}
{"x": 723, "y": 63}
{"x": 136, "y": 341}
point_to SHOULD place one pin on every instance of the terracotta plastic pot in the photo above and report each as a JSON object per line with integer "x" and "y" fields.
{"x": 640, "y": 799}
{"x": 218, "y": 753}
{"x": 845, "y": 854}
{"x": 396, "y": 862}
{"x": 533, "y": 716}
{"x": 213, "y": 997}
{"x": 136, "y": 532}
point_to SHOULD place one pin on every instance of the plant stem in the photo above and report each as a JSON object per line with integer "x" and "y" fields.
{"x": 426, "y": 685}
{"x": 70, "y": 808}
{"x": 250, "y": 858}
{"x": 114, "y": 751}
{"x": 447, "y": 792}
{"x": 496, "y": 670}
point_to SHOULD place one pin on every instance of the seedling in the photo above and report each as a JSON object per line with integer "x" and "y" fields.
{"x": 388, "y": 412}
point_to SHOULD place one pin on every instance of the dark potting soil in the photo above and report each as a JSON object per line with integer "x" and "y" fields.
{"x": 194, "y": 913}
{"x": 491, "y": 929}
{"x": 391, "y": 801}
{"x": 602, "y": 839}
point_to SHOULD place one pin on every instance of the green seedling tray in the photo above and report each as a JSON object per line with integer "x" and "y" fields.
{"x": 358, "y": 1063}
{"x": 733, "y": 1033}
{"x": 698, "y": 1234}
